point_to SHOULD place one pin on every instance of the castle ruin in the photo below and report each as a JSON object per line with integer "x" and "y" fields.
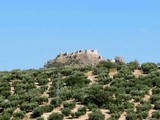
{"x": 87, "y": 52}
{"x": 85, "y": 57}
{"x": 82, "y": 57}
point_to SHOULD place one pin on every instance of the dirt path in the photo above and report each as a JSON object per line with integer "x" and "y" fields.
{"x": 150, "y": 113}
{"x": 138, "y": 73}
{"x": 49, "y": 86}
{"x": 91, "y": 77}
{"x": 123, "y": 116}
{"x": 106, "y": 113}
{"x": 12, "y": 88}
{"x": 150, "y": 92}
{"x": 112, "y": 72}
{"x": 147, "y": 97}
{"x": 27, "y": 116}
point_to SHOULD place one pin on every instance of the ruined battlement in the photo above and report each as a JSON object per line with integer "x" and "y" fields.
{"x": 87, "y": 52}
{"x": 86, "y": 57}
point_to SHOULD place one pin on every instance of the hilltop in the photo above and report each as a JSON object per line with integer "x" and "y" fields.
{"x": 80, "y": 57}
{"x": 86, "y": 57}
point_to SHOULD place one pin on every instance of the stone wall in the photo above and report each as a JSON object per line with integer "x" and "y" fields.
{"x": 89, "y": 52}
{"x": 84, "y": 56}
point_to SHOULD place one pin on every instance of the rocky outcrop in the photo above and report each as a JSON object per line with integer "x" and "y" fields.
{"x": 118, "y": 60}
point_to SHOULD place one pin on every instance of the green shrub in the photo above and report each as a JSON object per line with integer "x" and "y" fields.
{"x": 86, "y": 68}
{"x": 82, "y": 110}
{"x": 154, "y": 98}
{"x": 40, "y": 118}
{"x": 133, "y": 65}
{"x": 129, "y": 105}
{"x": 107, "y": 64}
{"x": 37, "y": 112}
{"x": 156, "y": 81}
{"x": 52, "y": 93}
{"x": 54, "y": 102}
{"x": 42, "y": 89}
{"x": 140, "y": 93}
{"x": 99, "y": 98}
{"x": 40, "y": 100}
{"x": 143, "y": 107}
{"x": 116, "y": 115}
{"x": 142, "y": 115}
{"x": 96, "y": 115}
{"x": 66, "y": 93}
{"x": 105, "y": 80}
{"x": 70, "y": 105}
{"x": 156, "y": 114}
{"x": 42, "y": 81}
{"x": 13, "y": 103}
{"x": 111, "y": 89}
{"x": 92, "y": 106}
{"x": 66, "y": 111}
{"x": 157, "y": 105}
{"x": 124, "y": 97}
{"x": 155, "y": 91}
{"x": 48, "y": 108}
{"x": 116, "y": 108}
{"x": 66, "y": 72}
{"x": 5, "y": 93}
{"x": 73, "y": 115}
{"x": 5, "y": 116}
{"x": 19, "y": 114}
{"x": 77, "y": 114}
{"x": 78, "y": 79}
{"x": 28, "y": 107}
{"x": 79, "y": 95}
{"x": 137, "y": 98}
{"x": 125, "y": 73}
{"x": 2, "y": 98}
{"x": 148, "y": 67}
{"x": 131, "y": 116}
{"x": 10, "y": 110}
{"x": 103, "y": 75}
{"x": 56, "y": 116}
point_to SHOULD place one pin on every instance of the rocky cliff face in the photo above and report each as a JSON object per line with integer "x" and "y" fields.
{"x": 87, "y": 57}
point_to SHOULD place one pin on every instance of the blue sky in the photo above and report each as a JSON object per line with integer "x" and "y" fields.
{"x": 34, "y": 31}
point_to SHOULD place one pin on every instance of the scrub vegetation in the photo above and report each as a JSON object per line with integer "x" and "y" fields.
{"x": 131, "y": 92}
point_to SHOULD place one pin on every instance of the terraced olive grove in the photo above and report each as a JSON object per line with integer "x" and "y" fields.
{"x": 107, "y": 91}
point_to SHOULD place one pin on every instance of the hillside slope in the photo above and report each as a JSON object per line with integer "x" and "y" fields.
{"x": 107, "y": 91}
